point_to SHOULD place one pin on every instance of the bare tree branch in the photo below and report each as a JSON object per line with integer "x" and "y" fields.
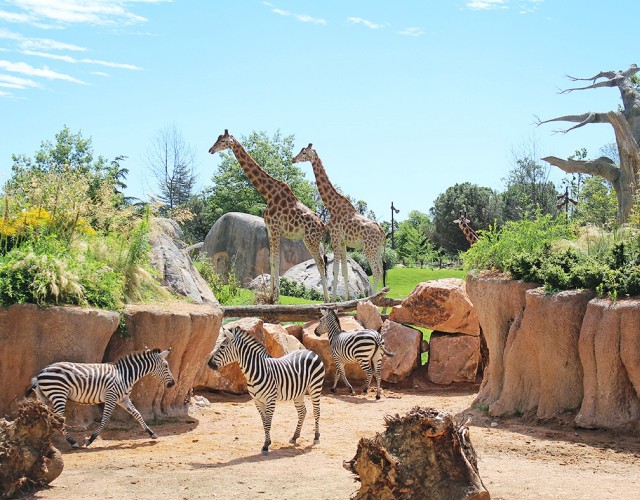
{"x": 606, "y": 83}
{"x": 582, "y": 120}
{"x": 603, "y": 167}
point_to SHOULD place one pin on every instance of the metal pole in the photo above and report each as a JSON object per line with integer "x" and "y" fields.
{"x": 393, "y": 209}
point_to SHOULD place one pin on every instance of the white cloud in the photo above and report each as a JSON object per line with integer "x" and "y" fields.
{"x": 411, "y": 32}
{"x": 5, "y": 94}
{"x": 304, "y": 18}
{"x": 64, "y": 12}
{"x": 487, "y": 4}
{"x": 368, "y": 24}
{"x": 25, "y": 43}
{"x": 100, "y": 73}
{"x": 73, "y": 60}
{"x": 15, "y": 82}
{"x": 44, "y": 72}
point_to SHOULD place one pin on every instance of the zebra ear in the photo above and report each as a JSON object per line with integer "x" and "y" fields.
{"x": 227, "y": 333}
{"x": 164, "y": 354}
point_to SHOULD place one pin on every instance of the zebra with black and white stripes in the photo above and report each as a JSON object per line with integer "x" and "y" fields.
{"x": 269, "y": 379}
{"x": 364, "y": 347}
{"x": 94, "y": 383}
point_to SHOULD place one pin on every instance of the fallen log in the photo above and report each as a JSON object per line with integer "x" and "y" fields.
{"x": 303, "y": 312}
{"x": 27, "y": 457}
{"x": 421, "y": 455}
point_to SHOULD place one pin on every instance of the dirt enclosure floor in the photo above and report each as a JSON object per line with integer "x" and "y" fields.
{"x": 216, "y": 453}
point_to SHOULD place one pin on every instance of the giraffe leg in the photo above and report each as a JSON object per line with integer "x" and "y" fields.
{"x": 374, "y": 256}
{"x": 339, "y": 259}
{"x": 344, "y": 265}
{"x": 317, "y": 254}
{"x": 274, "y": 262}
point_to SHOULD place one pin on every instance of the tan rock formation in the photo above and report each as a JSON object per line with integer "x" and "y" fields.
{"x": 404, "y": 343}
{"x": 229, "y": 378}
{"x": 189, "y": 329}
{"x": 453, "y": 358}
{"x": 33, "y": 337}
{"x": 542, "y": 370}
{"x": 499, "y": 303}
{"x": 278, "y": 342}
{"x": 369, "y": 315}
{"x": 441, "y": 305}
{"x": 610, "y": 355}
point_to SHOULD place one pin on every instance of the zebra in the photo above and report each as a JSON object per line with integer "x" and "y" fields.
{"x": 94, "y": 383}
{"x": 270, "y": 379}
{"x": 365, "y": 347}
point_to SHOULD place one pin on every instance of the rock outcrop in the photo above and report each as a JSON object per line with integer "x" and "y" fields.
{"x": 239, "y": 243}
{"x": 170, "y": 257}
{"x": 404, "y": 342}
{"x": 441, "y": 305}
{"x": 453, "y": 358}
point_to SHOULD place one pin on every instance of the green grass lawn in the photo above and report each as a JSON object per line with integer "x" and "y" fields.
{"x": 402, "y": 280}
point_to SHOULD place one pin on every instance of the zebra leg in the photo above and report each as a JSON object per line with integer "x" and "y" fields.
{"x": 378, "y": 374}
{"x": 340, "y": 373}
{"x": 59, "y": 406}
{"x": 266, "y": 412}
{"x": 366, "y": 366}
{"x": 315, "y": 400}
{"x": 133, "y": 411}
{"x": 109, "y": 405}
{"x": 302, "y": 412}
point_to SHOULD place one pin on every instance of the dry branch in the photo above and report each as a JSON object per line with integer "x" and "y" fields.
{"x": 303, "y": 312}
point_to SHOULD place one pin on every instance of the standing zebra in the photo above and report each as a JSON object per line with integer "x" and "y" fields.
{"x": 94, "y": 383}
{"x": 269, "y": 379}
{"x": 365, "y": 347}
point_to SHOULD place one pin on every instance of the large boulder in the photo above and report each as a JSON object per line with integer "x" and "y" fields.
{"x": 441, "y": 305}
{"x": 307, "y": 273}
{"x": 238, "y": 243}
{"x": 190, "y": 330}
{"x": 369, "y": 315}
{"x": 404, "y": 342}
{"x": 453, "y": 358}
{"x": 170, "y": 257}
{"x": 32, "y": 337}
{"x": 610, "y": 355}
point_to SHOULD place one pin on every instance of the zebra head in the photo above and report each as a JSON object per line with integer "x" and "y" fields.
{"x": 226, "y": 351}
{"x": 161, "y": 367}
{"x": 329, "y": 317}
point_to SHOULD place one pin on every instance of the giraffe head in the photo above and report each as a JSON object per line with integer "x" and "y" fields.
{"x": 462, "y": 220}
{"x": 305, "y": 154}
{"x": 224, "y": 142}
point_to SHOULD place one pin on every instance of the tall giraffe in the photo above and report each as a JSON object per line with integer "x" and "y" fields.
{"x": 347, "y": 227}
{"x": 284, "y": 214}
{"x": 464, "y": 224}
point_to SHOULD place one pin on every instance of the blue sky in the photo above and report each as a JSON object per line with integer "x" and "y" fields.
{"x": 401, "y": 98}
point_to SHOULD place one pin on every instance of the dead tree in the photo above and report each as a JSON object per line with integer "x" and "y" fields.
{"x": 27, "y": 457}
{"x": 626, "y": 126}
{"x": 421, "y": 455}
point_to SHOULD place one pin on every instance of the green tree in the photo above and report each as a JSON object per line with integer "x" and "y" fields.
{"x": 483, "y": 207}
{"x": 232, "y": 191}
{"x": 597, "y": 203}
{"x": 412, "y": 238}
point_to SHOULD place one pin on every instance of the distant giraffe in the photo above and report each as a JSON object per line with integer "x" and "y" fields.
{"x": 346, "y": 226}
{"x": 284, "y": 214}
{"x": 463, "y": 223}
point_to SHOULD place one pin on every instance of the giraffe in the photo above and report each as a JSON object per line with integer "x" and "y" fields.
{"x": 284, "y": 214}
{"x": 347, "y": 227}
{"x": 463, "y": 223}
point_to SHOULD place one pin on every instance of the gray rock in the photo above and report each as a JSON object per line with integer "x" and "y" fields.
{"x": 307, "y": 274}
{"x": 239, "y": 243}
{"x": 169, "y": 256}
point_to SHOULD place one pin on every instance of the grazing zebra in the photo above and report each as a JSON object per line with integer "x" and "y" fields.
{"x": 94, "y": 383}
{"x": 365, "y": 347}
{"x": 269, "y": 379}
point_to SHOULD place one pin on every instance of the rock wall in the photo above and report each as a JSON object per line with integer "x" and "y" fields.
{"x": 550, "y": 354}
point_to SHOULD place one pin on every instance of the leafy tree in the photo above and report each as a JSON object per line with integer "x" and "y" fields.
{"x": 597, "y": 203}
{"x": 232, "y": 191}
{"x": 412, "y": 238}
{"x": 172, "y": 161}
{"x": 483, "y": 207}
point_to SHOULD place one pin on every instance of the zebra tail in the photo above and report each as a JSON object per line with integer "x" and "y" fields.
{"x": 384, "y": 351}
{"x": 32, "y": 387}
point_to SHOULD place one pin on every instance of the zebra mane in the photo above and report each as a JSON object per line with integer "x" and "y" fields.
{"x": 248, "y": 339}
{"x": 136, "y": 355}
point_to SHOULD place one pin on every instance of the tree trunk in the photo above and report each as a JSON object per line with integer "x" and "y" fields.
{"x": 27, "y": 457}
{"x": 421, "y": 455}
{"x": 303, "y": 312}
{"x": 626, "y": 125}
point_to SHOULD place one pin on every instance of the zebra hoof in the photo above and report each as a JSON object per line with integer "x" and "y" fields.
{"x": 377, "y": 396}
{"x": 333, "y": 389}
{"x": 292, "y": 440}
{"x": 75, "y": 445}
{"x": 153, "y": 435}
{"x": 265, "y": 452}
{"x": 316, "y": 441}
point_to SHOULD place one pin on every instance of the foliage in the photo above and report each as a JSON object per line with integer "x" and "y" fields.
{"x": 528, "y": 190}
{"x": 293, "y": 288}
{"x": 597, "y": 203}
{"x": 551, "y": 252}
{"x": 225, "y": 288}
{"x": 483, "y": 207}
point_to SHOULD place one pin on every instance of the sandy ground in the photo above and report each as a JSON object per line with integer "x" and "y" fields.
{"x": 216, "y": 453}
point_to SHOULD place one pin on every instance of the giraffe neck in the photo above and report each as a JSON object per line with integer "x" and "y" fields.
{"x": 261, "y": 180}
{"x": 329, "y": 194}
{"x": 469, "y": 233}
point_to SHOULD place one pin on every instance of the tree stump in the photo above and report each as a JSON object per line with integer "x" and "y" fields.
{"x": 421, "y": 455}
{"x": 27, "y": 457}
